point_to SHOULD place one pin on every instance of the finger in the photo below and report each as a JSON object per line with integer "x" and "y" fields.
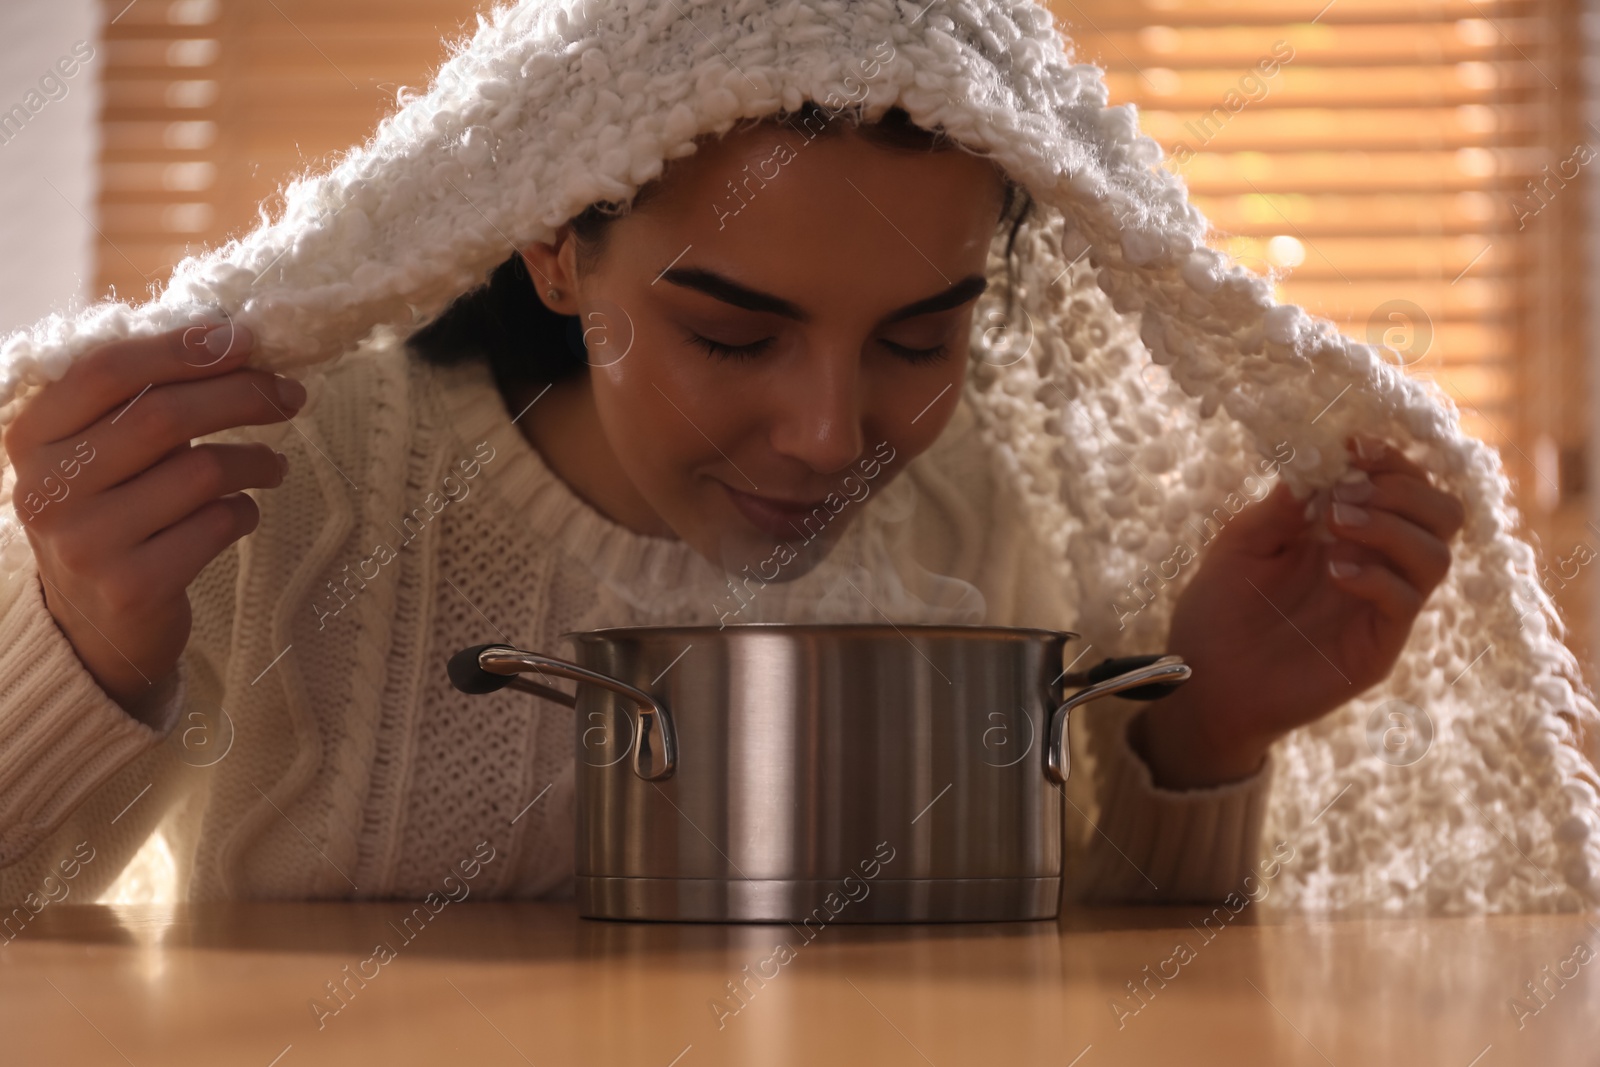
{"x": 40, "y": 499}
{"x": 169, "y": 416}
{"x": 1373, "y": 454}
{"x": 180, "y": 552}
{"x": 110, "y": 376}
{"x": 1438, "y": 512}
{"x": 1265, "y": 526}
{"x": 1393, "y": 596}
{"x": 1419, "y": 557}
{"x": 178, "y": 485}
{"x": 49, "y": 489}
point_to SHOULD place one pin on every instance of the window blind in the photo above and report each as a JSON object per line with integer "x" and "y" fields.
{"x": 1412, "y": 171}
{"x": 209, "y": 106}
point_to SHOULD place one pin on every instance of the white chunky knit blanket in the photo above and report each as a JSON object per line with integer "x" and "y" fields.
{"x": 1140, "y": 378}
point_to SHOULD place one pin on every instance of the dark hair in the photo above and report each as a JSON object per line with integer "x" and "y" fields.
{"x": 505, "y": 323}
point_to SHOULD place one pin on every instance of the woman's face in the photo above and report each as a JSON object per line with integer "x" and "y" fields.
{"x": 763, "y": 360}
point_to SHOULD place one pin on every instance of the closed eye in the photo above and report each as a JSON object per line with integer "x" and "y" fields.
{"x": 730, "y": 352}
{"x": 755, "y": 348}
{"x": 918, "y": 355}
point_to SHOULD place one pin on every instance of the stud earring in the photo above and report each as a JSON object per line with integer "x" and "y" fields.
{"x": 554, "y": 294}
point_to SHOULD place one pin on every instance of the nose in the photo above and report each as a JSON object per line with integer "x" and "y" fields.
{"x": 817, "y": 413}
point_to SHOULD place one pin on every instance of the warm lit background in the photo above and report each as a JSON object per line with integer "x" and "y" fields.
{"x": 1411, "y": 170}
{"x": 1421, "y": 174}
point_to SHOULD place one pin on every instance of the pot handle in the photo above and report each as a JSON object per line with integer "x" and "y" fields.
{"x": 1135, "y": 677}
{"x": 487, "y": 668}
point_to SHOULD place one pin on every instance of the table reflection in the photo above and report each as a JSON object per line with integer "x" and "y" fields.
{"x": 325, "y": 982}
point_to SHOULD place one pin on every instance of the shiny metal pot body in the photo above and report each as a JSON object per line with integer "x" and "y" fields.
{"x": 814, "y": 773}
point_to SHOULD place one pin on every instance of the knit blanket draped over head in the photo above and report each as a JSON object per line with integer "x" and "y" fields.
{"x": 1138, "y": 380}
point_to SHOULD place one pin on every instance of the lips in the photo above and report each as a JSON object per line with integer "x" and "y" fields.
{"x": 778, "y": 518}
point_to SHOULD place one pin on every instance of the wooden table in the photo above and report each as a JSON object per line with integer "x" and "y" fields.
{"x": 531, "y": 983}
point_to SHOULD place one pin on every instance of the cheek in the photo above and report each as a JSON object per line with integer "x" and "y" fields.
{"x": 659, "y": 407}
{"x": 913, "y": 404}
{"x": 631, "y": 411}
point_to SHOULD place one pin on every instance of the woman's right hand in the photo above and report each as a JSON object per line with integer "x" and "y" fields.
{"x": 123, "y": 510}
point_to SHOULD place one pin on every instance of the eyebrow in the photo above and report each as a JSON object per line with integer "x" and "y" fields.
{"x": 720, "y": 287}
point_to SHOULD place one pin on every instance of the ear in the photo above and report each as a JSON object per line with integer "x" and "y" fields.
{"x": 555, "y": 267}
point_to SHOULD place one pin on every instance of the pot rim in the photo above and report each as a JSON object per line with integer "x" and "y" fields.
{"x": 870, "y": 629}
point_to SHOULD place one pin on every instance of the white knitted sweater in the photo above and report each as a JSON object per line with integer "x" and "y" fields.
{"x": 355, "y": 770}
{"x": 1127, "y": 391}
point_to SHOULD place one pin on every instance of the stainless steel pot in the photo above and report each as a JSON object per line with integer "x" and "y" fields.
{"x": 819, "y": 773}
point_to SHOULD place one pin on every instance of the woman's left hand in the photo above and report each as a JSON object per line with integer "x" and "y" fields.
{"x": 1282, "y": 627}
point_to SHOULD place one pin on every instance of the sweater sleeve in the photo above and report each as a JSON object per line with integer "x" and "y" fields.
{"x": 61, "y": 735}
{"x": 1164, "y": 845}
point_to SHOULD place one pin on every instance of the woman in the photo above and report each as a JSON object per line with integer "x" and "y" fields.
{"x": 792, "y": 306}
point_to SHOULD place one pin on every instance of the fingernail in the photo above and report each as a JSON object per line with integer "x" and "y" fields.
{"x": 228, "y": 339}
{"x": 291, "y": 393}
{"x": 283, "y": 464}
{"x": 1343, "y": 568}
{"x": 1350, "y": 515}
{"x": 1313, "y": 508}
{"x": 1367, "y": 448}
{"x": 1355, "y": 491}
